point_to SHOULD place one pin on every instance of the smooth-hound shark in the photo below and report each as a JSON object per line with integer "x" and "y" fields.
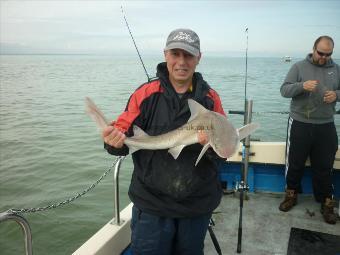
{"x": 222, "y": 136}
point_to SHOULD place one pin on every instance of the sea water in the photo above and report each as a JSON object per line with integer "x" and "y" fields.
{"x": 50, "y": 150}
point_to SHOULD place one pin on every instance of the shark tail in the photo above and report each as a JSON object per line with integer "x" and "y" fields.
{"x": 93, "y": 111}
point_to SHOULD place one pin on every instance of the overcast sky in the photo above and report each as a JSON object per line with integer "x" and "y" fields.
{"x": 276, "y": 28}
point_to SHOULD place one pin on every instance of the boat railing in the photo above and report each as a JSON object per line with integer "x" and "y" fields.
{"x": 16, "y": 214}
{"x": 8, "y": 215}
{"x": 117, "y": 220}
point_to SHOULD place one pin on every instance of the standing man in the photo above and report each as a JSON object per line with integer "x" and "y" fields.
{"x": 173, "y": 199}
{"x": 314, "y": 86}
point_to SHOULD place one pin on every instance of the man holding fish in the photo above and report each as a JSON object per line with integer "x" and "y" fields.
{"x": 173, "y": 199}
{"x": 176, "y": 129}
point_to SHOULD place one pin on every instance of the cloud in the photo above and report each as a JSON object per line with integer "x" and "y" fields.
{"x": 96, "y": 27}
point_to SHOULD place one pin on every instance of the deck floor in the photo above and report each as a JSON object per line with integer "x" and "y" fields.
{"x": 265, "y": 228}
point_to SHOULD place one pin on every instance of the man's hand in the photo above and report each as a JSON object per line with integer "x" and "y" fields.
{"x": 113, "y": 137}
{"x": 310, "y": 85}
{"x": 203, "y": 138}
{"x": 329, "y": 97}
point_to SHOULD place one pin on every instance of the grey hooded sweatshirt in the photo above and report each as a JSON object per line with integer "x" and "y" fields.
{"x": 309, "y": 107}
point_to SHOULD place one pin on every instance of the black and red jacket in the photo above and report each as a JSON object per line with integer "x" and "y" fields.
{"x": 160, "y": 184}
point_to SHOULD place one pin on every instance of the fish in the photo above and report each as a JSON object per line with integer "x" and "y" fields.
{"x": 223, "y": 137}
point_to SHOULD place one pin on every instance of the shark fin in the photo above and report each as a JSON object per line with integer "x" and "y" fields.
{"x": 138, "y": 132}
{"x": 247, "y": 130}
{"x": 133, "y": 149}
{"x": 202, "y": 153}
{"x": 195, "y": 109}
{"x": 175, "y": 151}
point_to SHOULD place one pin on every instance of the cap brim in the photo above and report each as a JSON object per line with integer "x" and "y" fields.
{"x": 178, "y": 45}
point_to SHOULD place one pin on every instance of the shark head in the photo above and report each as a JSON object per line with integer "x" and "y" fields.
{"x": 224, "y": 138}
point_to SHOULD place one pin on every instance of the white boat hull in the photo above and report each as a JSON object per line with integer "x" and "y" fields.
{"x": 113, "y": 239}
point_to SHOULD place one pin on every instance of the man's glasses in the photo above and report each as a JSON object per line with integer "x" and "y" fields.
{"x": 323, "y": 54}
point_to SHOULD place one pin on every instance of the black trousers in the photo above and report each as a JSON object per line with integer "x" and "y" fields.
{"x": 155, "y": 235}
{"x": 319, "y": 142}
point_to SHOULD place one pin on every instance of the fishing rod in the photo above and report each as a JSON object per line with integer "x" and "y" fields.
{"x": 242, "y": 186}
{"x": 140, "y": 58}
{"x": 246, "y": 74}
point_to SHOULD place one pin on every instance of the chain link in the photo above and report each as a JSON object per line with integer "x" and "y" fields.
{"x": 67, "y": 201}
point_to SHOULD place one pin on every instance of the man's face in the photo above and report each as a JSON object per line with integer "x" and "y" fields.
{"x": 181, "y": 66}
{"x": 322, "y": 52}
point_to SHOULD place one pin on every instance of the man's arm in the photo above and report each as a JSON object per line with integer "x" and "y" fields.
{"x": 216, "y": 101}
{"x": 337, "y": 91}
{"x": 291, "y": 86}
{"x": 115, "y": 134}
{"x": 331, "y": 96}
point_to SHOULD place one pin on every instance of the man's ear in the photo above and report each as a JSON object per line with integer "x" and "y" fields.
{"x": 199, "y": 58}
{"x": 165, "y": 52}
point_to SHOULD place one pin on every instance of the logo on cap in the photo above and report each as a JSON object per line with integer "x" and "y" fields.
{"x": 182, "y": 36}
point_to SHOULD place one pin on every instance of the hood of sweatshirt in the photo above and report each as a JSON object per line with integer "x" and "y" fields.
{"x": 329, "y": 62}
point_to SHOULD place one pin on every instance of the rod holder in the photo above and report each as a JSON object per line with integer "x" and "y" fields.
{"x": 116, "y": 190}
{"x": 246, "y": 142}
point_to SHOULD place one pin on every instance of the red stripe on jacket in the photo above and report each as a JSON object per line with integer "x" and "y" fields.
{"x": 217, "y": 101}
{"x": 132, "y": 111}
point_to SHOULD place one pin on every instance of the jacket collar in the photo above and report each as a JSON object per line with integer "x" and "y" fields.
{"x": 200, "y": 86}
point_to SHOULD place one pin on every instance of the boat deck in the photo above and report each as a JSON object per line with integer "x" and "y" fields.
{"x": 266, "y": 229}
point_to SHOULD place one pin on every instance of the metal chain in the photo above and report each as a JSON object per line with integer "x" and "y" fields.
{"x": 67, "y": 201}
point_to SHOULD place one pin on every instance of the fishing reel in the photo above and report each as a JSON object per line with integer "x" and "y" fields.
{"x": 241, "y": 186}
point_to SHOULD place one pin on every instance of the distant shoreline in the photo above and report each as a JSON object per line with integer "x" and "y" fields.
{"x": 145, "y": 55}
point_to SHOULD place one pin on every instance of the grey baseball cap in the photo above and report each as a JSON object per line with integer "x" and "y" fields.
{"x": 184, "y": 39}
